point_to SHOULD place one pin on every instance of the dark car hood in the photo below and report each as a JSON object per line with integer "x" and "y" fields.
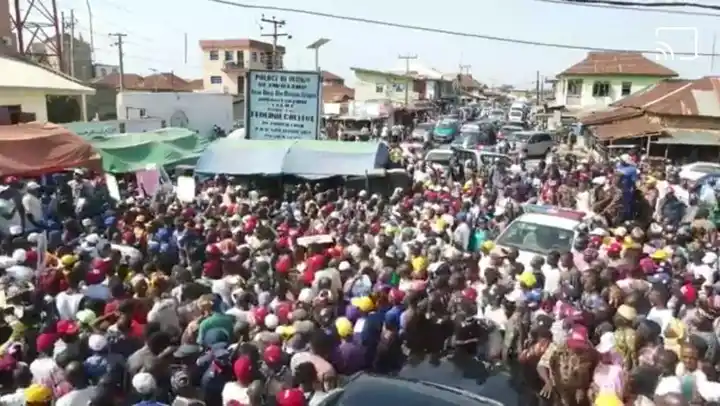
{"x": 467, "y": 374}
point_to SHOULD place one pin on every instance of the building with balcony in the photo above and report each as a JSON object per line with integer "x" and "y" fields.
{"x": 603, "y": 78}
{"x": 226, "y": 62}
{"x": 421, "y": 83}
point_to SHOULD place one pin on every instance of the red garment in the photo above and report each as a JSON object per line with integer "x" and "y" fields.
{"x": 312, "y": 265}
{"x": 212, "y": 269}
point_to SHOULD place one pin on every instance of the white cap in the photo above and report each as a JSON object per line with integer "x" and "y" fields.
{"x": 97, "y": 342}
{"x": 306, "y": 295}
{"x": 32, "y": 185}
{"x": 607, "y": 342}
{"x": 271, "y": 321}
{"x": 144, "y": 383}
{"x": 19, "y": 255}
{"x": 15, "y": 230}
{"x": 599, "y": 232}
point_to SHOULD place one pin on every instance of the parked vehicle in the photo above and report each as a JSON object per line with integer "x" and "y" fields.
{"x": 466, "y": 389}
{"x": 446, "y": 130}
{"x": 697, "y": 170}
{"x": 422, "y": 132}
{"x": 531, "y": 143}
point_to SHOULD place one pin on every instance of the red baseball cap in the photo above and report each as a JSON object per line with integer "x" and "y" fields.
{"x": 67, "y": 327}
{"x": 272, "y": 354}
{"x": 242, "y": 368}
{"x": 290, "y": 397}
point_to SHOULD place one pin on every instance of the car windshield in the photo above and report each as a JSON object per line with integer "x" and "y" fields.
{"x": 465, "y": 138}
{"x": 516, "y": 136}
{"x": 438, "y": 156}
{"x": 497, "y": 113}
{"x": 705, "y": 168}
{"x": 516, "y": 113}
{"x": 536, "y": 238}
{"x": 445, "y": 124}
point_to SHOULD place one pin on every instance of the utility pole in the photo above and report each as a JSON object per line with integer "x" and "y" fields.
{"x": 537, "y": 87}
{"x": 62, "y": 65}
{"x": 275, "y": 35}
{"x": 71, "y": 24}
{"x": 465, "y": 69}
{"x": 407, "y": 59}
{"x": 119, "y": 43}
{"x": 712, "y": 58}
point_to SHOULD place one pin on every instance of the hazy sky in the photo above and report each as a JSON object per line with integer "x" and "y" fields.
{"x": 156, "y": 31}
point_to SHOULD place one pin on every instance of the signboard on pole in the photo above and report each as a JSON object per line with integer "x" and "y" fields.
{"x": 283, "y": 105}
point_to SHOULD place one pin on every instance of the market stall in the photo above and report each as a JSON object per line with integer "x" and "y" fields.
{"x": 40, "y": 148}
{"x": 137, "y": 151}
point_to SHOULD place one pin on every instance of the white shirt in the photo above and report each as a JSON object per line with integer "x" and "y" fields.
{"x": 552, "y": 279}
{"x": 33, "y": 206}
{"x": 234, "y": 391}
{"x": 79, "y": 397}
{"x": 42, "y": 369}
{"x": 16, "y": 398}
{"x": 99, "y": 291}
{"x": 165, "y": 313}
{"x": 704, "y": 271}
{"x": 660, "y": 316}
{"x": 68, "y": 304}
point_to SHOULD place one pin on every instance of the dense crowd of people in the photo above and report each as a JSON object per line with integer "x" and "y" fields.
{"x": 253, "y": 297}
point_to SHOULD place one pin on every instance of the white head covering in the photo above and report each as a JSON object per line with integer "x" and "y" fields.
{"x": 144, "y": 383}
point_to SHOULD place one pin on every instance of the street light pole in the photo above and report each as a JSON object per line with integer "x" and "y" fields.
{"x": 315, "y": 46}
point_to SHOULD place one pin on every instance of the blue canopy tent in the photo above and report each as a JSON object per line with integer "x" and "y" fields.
{"x": 306, "y": 158}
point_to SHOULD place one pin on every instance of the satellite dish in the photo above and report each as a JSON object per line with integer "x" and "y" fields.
{"x": 179, "y": 119}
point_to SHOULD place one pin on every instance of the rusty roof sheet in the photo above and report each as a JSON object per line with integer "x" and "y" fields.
{"x": 336, "y": 93}
{"x": 131, "y": 80}
{"x": 699, "y": 97}
{"x": 618, "y": 113}
{"x": 196, "y": 84}
{"x": 639, "y": 126}
{"x": 468, "y": 82}
{"x": 330, "y": 76}
{"x": 618, "y": 63}
{"x": 166, "y": 81}
{"x": 243, "y": 43}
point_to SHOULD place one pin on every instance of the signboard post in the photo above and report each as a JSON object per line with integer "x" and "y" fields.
{"x": 283, "y": 105}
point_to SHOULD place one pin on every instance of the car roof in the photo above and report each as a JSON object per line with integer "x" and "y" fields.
{"x": 549, "y": 220}
{"x": 364, "y": 389}
{"x": 530, "y": 132}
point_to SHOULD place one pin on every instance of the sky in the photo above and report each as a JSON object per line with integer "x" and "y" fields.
{"x": 156, "y": 32}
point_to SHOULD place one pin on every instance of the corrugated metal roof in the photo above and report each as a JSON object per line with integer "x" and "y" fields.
{"x": 706, "y": 102}
{"x": 627, "y": 128}
{"x": 681, "y": 136}
{"x": 17, "y": 73}
{"x": 618, "y": 63}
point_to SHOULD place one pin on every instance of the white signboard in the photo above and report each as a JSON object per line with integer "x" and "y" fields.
{"x": 283, "y": 105}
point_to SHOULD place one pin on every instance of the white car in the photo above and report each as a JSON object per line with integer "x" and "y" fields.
{"x": 697, "y": 170}
{"x": 539, "y": 231}
{"x": 531, "y": 143}
{"x": 516, "y": 116}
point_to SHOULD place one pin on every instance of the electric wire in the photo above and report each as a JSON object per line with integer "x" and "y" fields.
{"x": 453, "y": 33}
{"x": 632, "y": 8}
{"x": 648, "y": 4}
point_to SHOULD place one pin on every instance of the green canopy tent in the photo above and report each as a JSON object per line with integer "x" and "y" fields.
{"x": 131, "y": 152}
